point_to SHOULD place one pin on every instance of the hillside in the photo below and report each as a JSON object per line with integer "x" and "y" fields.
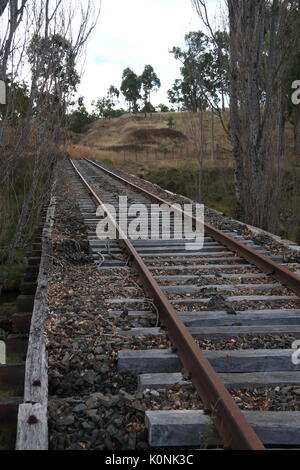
{"x": 170, "y": 157}
{"x": 148, "y": 140}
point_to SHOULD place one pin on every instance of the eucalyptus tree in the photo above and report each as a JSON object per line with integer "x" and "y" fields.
{"x": 14, "y": 11}
{"x": 51, "y": 45}
{"x": 259, "y": 46}
{"x": 203, "y": 71}
{"x": 114, "y": 94}
{"x": 175, "y": 94}
{"x": 150, "y": 82}
{"x": 131, "y": 89}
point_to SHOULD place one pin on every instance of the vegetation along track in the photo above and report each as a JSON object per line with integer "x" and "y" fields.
{"x": 230, "y": 322}
{"x": 24, "y": 375}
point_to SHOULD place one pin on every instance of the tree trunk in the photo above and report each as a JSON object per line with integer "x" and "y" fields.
{"x": 252, "y": 125}
{"x": 3, "y": 4}
{"x": 212, "y": 136}
{"x": 281, "y": 124}
{"x": 199, "y": 186}
{"x": 297, "y": 132}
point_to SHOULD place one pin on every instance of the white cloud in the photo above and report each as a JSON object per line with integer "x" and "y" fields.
{"x": 135, "y": 33}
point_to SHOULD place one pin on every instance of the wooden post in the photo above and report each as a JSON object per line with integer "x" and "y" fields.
{"x": 32, "y": 431}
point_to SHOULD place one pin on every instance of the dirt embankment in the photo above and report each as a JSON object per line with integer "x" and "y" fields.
{"x": 132, "y": 132}
{"x": 164, "y": 136}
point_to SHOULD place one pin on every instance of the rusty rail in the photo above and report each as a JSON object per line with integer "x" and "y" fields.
{"x": 262, "y": 262}
{"x": 233, "y": 428}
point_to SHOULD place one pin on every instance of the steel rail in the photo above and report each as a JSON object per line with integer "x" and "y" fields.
{"x": 262, "y": 262}
{"x": 230, "y": 423}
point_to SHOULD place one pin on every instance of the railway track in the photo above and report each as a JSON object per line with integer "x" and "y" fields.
{"x": 24, "y": 375}
{"x": 231, "y": 292}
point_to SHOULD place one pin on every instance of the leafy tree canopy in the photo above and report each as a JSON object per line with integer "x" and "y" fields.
{"x": 131, "y": 88}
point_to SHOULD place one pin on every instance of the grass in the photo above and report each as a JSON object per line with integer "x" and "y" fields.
{"x": 8, "y": 305}
{"x": 151, "y": 142}
{"x": 6, "y": 440}
{"x": 217, "y": 185}
{"x": 173, "y": 163}
{"x": 14, "y": 274}
{"x": 12, "y": 198}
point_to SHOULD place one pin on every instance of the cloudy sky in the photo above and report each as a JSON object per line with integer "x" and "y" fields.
{"x": 133, "y": 33}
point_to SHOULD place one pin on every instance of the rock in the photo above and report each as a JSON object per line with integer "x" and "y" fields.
{"x": 67, "y": 420}
{"x": 101, "y": 358}
{"x": 131, "y": 441}
{"x": 230, "y": 310}
{"x": 127, "y": 397}
{"x": 216, "y": 302}
{"x": 139, "y": 406}
{"x": 99, "y": 350}
{"x": 118, "y": 422}
{"x": 142, "y": 446}
{"x": 79, "y": 408}
{"x": 97, "y": 366}
{"x": 112, "y": 431}
{"x": 91, "y": 403}
{"x": 107, "y": 401}
{"x": 92, "y": 413}
{"x": 109, "y": 444}
{"x": 124, "y": 314}
{"x": 86, "y": 425}
{"x": 66, "y": 361}
{"x": 99, "y": 398}
{"x": 95, "y": 434}
{"x": 89, "y": 377}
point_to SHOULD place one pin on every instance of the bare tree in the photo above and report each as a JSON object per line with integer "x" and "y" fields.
{"x": 3, "y": 5}
{"x": 58, "y": 32}
{"x": 15, "y": 13}
{"x": 195, "y": 126}
{"x": 259, "y": 43}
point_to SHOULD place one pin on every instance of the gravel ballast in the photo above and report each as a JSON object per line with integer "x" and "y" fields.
{"x": 92, "y": 405}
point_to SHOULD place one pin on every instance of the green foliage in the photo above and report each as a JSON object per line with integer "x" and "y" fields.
{"x": 150, "y": 82}
{"x": 175, "y": 94}
{"x": 13, "y": 275}
{"x": 113, "y": 92}
{"x": 54, "y": 75}
{"x": 131, "y": 88}
{"x": 218, "y": 185}
{"x": 17, "y": 101}
{"x": 148, "y": 108}
{"x": 107, "y": 161}
{"x": 80, "y": 119}
{"x": 105, "y": 107}
{"x": 163, "y": 108}
{"x": 204, "y": 71}
{"x": 171, "y": 123}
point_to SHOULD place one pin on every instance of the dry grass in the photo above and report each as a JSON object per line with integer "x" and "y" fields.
{"x": 151, "y": 143}
{"x": 133, "y": 141}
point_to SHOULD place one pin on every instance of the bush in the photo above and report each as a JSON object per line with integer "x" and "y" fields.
{"x": 171, "y": 123}
{"x": 80, "y": 120}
